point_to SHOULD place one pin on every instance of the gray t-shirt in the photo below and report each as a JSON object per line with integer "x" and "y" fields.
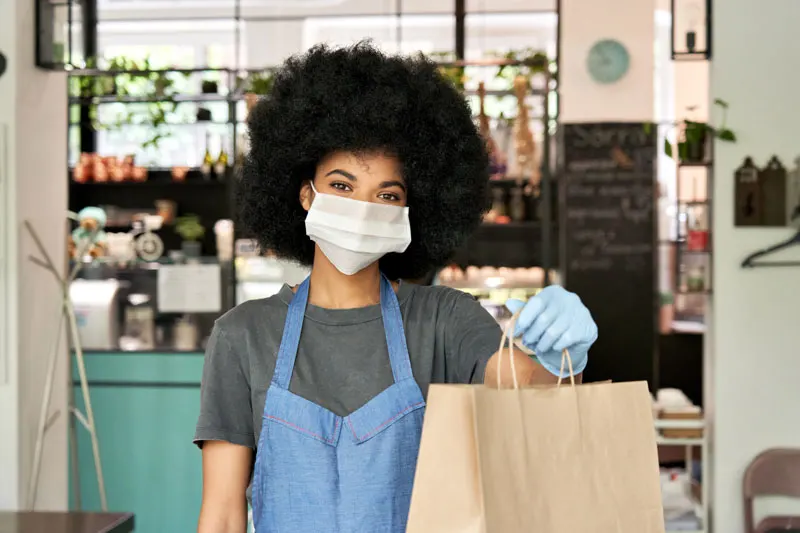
{"x": 342, "y": 361}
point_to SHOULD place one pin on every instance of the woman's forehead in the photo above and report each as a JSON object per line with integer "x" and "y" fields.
{"x": 362, "y": 165}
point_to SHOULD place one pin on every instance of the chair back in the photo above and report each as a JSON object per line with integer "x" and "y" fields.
{"x": 774, "y": 472}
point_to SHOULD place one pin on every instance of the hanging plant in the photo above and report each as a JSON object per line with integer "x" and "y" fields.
{"x": 141, "y": 80}
{"x": 693, "y": 135}
{"x": 530, "y": 62}
{"x": 455, "y": 74}
{"x": 261, "y": 83}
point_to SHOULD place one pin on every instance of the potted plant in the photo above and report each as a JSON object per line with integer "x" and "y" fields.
{"x": 452, "y": 73}
{"x": 258, "y": 85}
{"x": 693, "y": 135}
{"x": 666, "y": 313}
{"x": 529, "y": 62}
{"x": 191, "y": 231}
{"x": 209, "y": 87}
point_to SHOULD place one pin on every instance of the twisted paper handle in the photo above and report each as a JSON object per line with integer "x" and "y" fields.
{"x": 507, "y": 338}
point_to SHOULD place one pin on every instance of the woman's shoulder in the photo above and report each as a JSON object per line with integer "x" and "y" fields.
{"x": 435, "y": 296}
{"x": 256, "y": 313}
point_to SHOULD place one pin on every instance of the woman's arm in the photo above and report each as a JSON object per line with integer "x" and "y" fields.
{"x": 529, "y": 372}
{"x": 225, "y": 434}
{"x": 472, "y": 341}
{"x": 226, "y": 474}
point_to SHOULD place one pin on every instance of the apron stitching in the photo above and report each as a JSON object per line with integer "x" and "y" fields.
{"x": 389, "y": 421}
{"x": 352, "y": 429}
{"x": 302, "y": 430}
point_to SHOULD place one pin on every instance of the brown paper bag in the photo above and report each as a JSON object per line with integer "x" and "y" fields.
{"x": 564, "y": 459}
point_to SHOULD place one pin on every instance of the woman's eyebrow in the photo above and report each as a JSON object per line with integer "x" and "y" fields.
{"x": 394, "y": 183}
{"x": 342, "y": 173}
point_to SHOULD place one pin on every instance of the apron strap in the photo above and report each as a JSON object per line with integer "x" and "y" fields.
{"x": 395, "y": 333}
{"x": 290, "y": 340}
{"x": 392, "y": 325}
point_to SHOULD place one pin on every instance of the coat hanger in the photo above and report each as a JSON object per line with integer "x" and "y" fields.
{"x": 749, "y": 261}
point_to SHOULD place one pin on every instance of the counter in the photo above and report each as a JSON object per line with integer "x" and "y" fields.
{"x": 35, "y": 522}
{"x": 146, "y": 407}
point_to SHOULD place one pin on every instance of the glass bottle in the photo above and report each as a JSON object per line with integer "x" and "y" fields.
{"x": 208, "y": 162}
{"x": 221, "y": 166}
{"x": 499, "y": 203}
{"x": 517, "y": 205}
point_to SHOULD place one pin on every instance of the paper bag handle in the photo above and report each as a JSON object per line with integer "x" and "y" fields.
{"x": 507, "y": 338}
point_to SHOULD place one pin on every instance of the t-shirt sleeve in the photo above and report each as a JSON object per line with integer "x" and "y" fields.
{"x": 226, "y": 412}
{"x": 472, "y": 337}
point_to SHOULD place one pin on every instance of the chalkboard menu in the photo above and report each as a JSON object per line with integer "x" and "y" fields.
{"x": 608, "y": 241}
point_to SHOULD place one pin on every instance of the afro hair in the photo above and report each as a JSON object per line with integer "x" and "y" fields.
{"x": 360, "y": 100}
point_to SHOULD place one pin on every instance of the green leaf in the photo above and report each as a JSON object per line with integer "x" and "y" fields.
{"x": 726, "y": 135}
{"x": 683, "y": 150}
{"x": 648, "y": 128}
{"x": 668, "y": 148}
{"x": 720, "y": 102}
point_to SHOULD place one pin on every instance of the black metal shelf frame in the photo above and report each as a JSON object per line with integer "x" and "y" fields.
{"x": 545, "y": 228}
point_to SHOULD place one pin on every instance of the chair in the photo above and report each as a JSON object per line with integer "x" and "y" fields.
{"x": 774, "y": 472}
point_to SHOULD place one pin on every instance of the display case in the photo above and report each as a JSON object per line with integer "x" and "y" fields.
{"x": 494, "y": 286}
{"x": 150, "y": 306}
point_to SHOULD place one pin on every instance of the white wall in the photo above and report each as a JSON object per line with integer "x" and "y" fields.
{"x": 583, "y": 22}
{"x": 33, "y": 107}
{"x": 754, "y": 333}
{"x": 9, "y": 386}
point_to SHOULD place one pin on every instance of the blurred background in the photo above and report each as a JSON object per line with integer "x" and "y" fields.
{"x": 139, "y": 108}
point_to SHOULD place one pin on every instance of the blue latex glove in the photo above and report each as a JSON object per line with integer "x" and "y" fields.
{"x": 553, "y": 320}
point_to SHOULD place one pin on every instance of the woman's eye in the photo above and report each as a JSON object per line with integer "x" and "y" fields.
{"x": 389, "y": 197}
{"x": 340, "y": 186}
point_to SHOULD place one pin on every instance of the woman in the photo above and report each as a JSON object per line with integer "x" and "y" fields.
{"x": 369, "y": 169}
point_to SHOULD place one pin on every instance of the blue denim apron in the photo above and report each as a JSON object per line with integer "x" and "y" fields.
{"x": 318, "y": 472}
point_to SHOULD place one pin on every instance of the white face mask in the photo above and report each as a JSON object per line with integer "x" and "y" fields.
{"x": 354, "y": 234}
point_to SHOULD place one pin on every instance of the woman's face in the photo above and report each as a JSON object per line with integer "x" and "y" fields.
{"x": 373, "y": 177}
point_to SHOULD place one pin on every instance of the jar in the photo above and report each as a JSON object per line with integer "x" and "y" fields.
{"x": 499, "y": 202}
{"x": 517, "y": 205}
{"x": 696, "y": 279}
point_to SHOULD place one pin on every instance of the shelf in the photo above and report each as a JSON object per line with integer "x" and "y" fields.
{"x": 693, "y": 293}
{"x": 663, "y": 441}
{"x": 690, "y": 56}
{"x": 688, "y": 327}
{"x": 178, "y": 98}
{"x": 695, "y": 164}
{"x": 513, "y": 245}
{"x": 96, "y": 72}
{"x": 511, "y": 225}
{"x": 661, "y": 424}
{"x": 694, "y": 202}
{"x": 150, "y": 183}
{"x": 156, "y": 178}
{"x": 150, "y": 126}
{"x": 510, "y": 181}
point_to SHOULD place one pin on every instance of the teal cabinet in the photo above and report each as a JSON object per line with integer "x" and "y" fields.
{"x": 145, "y": 408}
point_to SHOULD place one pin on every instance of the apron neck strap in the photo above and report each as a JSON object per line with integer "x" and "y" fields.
{"x": 293, "y": 327}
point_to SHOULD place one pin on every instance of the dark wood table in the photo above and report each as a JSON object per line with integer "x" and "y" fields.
{"x": 35, "y": 522}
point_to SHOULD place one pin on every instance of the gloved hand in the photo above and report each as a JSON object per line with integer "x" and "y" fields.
{"x": 553, "y": 320}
